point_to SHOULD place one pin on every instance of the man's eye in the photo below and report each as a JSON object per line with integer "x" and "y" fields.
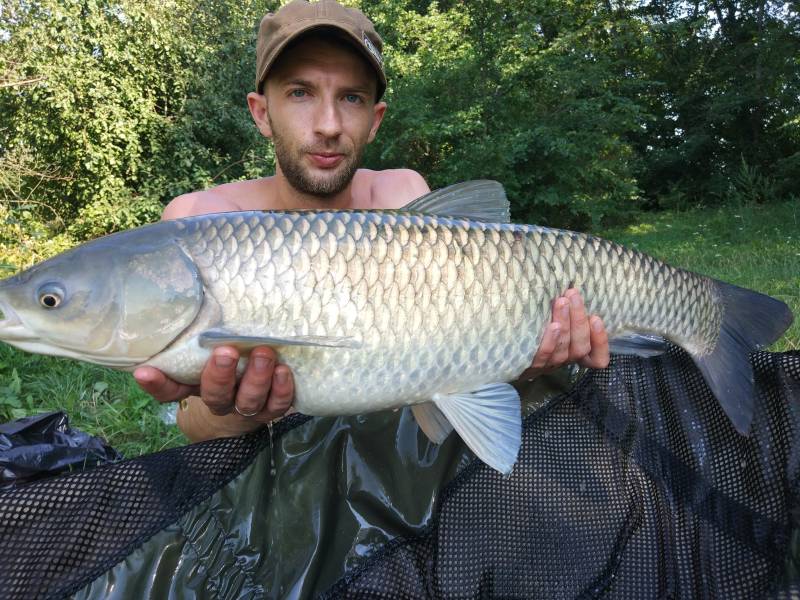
{"x": 354, "y": 98}
{"x": 298, "y": 93}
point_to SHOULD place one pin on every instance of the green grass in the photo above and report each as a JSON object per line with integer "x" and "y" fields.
{"x": 757, "y": 247}
{"x": 97, "y": 400}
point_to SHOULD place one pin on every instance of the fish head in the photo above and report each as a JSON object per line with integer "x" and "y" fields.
{"x": 105, "y": 302}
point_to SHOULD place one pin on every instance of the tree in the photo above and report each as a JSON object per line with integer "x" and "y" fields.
{"x": 533, "y": 94}
{"x": 123, "y": 104}
{"x": 726, "y": 100}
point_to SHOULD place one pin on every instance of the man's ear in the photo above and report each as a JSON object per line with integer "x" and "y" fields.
{"x": 257, "y": 103}
{"x": 377, "y": 117}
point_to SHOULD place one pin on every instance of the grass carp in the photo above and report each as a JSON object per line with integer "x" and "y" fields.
{"x": 437, "y": 306}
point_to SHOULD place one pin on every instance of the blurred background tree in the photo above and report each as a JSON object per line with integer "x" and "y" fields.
{"x": 586, "y": 111}
{"x": 726, "y": 107}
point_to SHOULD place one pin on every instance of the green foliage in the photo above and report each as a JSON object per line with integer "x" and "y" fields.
{"x": 103, "y": 79}
{"x": 750, "y": 186}
{"x": 586, "y": 111}
{"x": 112, "y": 108}
{"x": 25, "y": 239}
{"x": 531, "y": 94}
{"x": 213, "y": 139}
{"x": 725, "y": 91}
{"x": 104, "y": 216}
{"x": 12, "y": 404}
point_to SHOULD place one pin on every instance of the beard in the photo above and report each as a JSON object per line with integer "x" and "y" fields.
{"x": 300, "y": 176}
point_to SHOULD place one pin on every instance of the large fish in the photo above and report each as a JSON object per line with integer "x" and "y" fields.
{"x": 437, "y": 306}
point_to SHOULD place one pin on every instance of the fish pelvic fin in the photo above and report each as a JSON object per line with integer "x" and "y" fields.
{"x": 432, "y": 422}
{"x": 489, "y": 420}
{"x": 750, "y": 321}
{"x": 480, "y": 200}
{"x": 638, "y": 344}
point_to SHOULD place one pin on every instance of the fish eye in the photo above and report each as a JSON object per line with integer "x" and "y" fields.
{"x": 50, "y": 295}
{"x": 49, "y": 300}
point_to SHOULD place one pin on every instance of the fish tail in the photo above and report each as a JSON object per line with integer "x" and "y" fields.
{"x": 750, "y": 321}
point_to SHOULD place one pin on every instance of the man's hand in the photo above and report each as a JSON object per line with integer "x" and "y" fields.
{"x": 571, "y": 337}
{"x": 265, "y": 393}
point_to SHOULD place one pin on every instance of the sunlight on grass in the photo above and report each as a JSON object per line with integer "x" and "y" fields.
{"x": 640, "y": 228}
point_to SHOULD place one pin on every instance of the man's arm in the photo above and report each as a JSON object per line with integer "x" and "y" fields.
{"x": 396, "y": 188}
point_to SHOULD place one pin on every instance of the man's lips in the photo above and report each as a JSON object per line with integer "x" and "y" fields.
{"x": 325, "y": 160}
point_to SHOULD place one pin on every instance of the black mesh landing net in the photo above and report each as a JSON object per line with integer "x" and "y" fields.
{"x": 631, "y": 485}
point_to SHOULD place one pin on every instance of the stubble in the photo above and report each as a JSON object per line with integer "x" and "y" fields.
{"x": 300, "y": 177}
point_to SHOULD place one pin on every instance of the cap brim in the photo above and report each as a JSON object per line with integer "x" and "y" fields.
{"x": 323, "y": 24}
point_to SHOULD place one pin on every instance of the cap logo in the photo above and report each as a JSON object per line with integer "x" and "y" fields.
{"x": 371, "y": 48}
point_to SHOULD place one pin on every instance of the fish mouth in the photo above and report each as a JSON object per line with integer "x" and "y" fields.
{"x": 11, "y": 327}
{"x": 14, "y": 332}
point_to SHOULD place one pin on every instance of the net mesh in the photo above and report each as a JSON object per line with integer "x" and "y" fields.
{"x": 59, "y": 534}
{"x": 633, "y": 485}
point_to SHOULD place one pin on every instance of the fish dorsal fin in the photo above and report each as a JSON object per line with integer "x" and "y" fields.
{"x": 480, "y": 200}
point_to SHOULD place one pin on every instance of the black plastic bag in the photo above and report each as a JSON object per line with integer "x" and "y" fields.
{"x": 43, "y": 445}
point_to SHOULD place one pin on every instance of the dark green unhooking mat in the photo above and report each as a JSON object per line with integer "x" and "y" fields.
{"x": 631, "y": 485}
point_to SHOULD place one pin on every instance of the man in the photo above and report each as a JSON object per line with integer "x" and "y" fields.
{"x": 319, "y": 83}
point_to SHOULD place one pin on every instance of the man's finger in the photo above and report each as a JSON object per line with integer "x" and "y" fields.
{"x": 547, "y": 346}
{"x": 282, "y": 392}
{"x": 218, "y": 380}
{"x": 579, "y": 331}
{"x": 161, "y": 387}
{"x": 560, "y": 354}
{"x": 600, "y": 354}
{"x": 255, "y": 385}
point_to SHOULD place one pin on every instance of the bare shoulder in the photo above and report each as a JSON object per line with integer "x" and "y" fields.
{"x": 394, "y": 188}
{"x": 252, "y": 194}
{"x": 195, "y": 203}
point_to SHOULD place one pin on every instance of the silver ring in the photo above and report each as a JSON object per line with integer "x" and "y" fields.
{"x": 236, "y": 408}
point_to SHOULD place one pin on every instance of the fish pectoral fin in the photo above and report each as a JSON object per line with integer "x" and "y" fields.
{"x": 480, "y": 200}
{"x": 213, "y": 339}
{"x": 489, "y": 420}
{"x": 638, "y": 344}
{"x": 432, "y": 422}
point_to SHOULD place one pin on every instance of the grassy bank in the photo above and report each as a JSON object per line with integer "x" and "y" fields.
{"x": 98, "y": 400}
{"x": 755, "y": 247}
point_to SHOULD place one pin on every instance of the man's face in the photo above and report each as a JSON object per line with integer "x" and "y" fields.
{"x": 321, "y": 113}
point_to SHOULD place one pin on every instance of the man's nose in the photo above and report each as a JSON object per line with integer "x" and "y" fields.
{"x": 328, "y": 119}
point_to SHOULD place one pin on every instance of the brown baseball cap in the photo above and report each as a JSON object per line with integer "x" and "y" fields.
{"x": 299, "y": 16}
